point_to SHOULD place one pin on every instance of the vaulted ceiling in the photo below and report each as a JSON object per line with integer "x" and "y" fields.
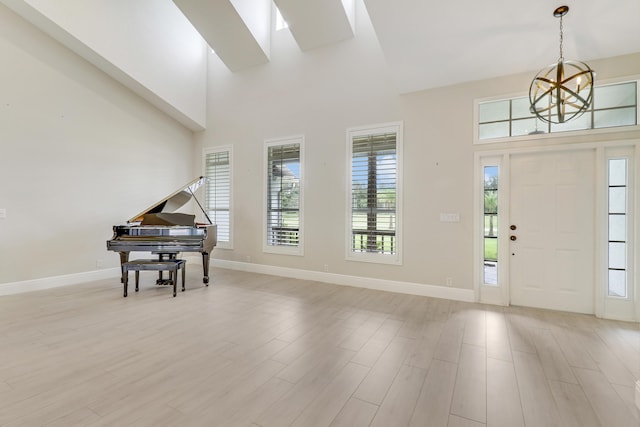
{"x": 426, "y": 43}
{"x": 437, "y": 43}
{"x": 239, "y": 30}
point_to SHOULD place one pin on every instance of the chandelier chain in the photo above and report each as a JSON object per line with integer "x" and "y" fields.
{"x": 561, "y": 59}
{"x": 564, "y": 90}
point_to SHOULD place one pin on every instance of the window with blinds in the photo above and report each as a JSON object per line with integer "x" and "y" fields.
{"x": 283, "y": 196}
{"x": 374, "y": 194}
{"x": 217, "y": 168}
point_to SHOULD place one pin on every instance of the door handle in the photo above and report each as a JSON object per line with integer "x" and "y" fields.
{"x": 513, "y": 227}
{"x": 513, "y": 238}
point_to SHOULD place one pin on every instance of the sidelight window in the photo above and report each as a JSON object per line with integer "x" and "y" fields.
{"x": 618, "y": 225}
{"x": 490, "y": 225}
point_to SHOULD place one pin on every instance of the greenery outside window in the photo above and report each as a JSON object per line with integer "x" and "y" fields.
{"x": 490, "y": 225}
{"x": 283, "y": 188}
{"x": 374, "y": 194}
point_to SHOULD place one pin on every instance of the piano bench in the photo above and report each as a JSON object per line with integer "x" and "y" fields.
{"x": 137, "y": 265}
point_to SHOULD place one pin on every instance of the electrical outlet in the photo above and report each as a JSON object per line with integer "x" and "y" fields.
{"x": 3, "y": 213}
{"x": 326, "y": 267}
{"x": 449, "y": 281}
{"x": 247, "y": 258}
{"x": 99, "y": 263}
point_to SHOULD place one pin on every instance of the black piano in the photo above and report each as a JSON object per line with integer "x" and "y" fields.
{"x": 162, "y": 231}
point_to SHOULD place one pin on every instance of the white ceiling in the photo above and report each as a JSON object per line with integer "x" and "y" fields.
{"x": 426, "y": 44}
{"x": 430, "y": 44}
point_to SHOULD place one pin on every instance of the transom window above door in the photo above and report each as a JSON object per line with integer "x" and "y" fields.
{"x": 614, "y": 105}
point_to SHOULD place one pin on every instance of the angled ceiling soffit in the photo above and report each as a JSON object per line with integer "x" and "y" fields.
{"x": 237, "y": 30}
{"x": 318, "y": 23}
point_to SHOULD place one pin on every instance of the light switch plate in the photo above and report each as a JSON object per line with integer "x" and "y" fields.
{"x": 449, "y": 217}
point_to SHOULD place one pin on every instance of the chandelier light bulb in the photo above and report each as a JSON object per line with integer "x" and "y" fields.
{"x": 561, "y": 91}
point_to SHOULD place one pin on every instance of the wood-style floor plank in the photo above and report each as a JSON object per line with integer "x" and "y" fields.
{"x": 538, "y": 405}
{"x": 605, "y": 401}
{"x": 399, "y": 403}
{"x": 498, "y": 345}
{"x": 456, "y": 421}
{"x": 355, "y": 413}
{"x": 434, "y": 402}
{"x": 326, "y": 406}
{"x": 292, "y": 404}
{"x": 503, "y": 397}
{"x": 552, "y": 358}
{"x": 374, "y": 387}
{"x": 470, "y": 392}
{"x": 260, "y": 351}
{"x": 573, "y": 405}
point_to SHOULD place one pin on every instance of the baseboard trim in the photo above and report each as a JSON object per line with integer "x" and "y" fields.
{"x": 57, "y": 281}
{"x": 433, "y": 291}
{"x": 638, "y": 394}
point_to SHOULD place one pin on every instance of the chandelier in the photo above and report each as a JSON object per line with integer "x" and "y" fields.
{"x": 562, "y": 91}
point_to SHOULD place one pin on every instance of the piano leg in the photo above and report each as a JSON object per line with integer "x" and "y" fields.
{"x": 124, "y": 257}
{"x": 205, "y": 267}
{"x": 164, "y": 257}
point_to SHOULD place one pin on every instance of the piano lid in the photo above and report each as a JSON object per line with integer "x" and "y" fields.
{"x": 175, "y": 201}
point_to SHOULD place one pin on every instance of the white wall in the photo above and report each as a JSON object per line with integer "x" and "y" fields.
{"x": 79, "y": 153}
{"x": 320, "y": 94}
{"x": 148, "y": 45}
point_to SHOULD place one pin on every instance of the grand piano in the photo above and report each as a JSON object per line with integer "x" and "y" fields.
{"x": 161, "y": 230}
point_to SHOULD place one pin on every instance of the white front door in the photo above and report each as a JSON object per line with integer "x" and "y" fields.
{"x": 552, "y": 252}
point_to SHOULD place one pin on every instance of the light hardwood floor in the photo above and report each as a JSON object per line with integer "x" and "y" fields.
{"x": 257, "y": 350}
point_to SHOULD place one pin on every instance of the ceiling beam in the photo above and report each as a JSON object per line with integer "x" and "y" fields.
{"x": 316, "y": 23}
{"x": 237, "y": 30}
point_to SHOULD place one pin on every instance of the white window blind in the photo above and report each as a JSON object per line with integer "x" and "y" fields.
{"x": 218, "y": 192}
{"x": 374, "y": 194}
{"x": 283, "y": 196}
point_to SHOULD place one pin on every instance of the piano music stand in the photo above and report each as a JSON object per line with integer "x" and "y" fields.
{"x": 161, "y": 230}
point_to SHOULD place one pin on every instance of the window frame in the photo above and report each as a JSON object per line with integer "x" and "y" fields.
{"x": 607, "y": 305}
{"x": 561, "y": 133}
{"x": 298, "y": 249}
{"x": 491, "y": 293}
{"x": 627, "y": 156}
{"x": 496, "y": 229}
{"x": 381, "y": 258}
{"x": 211, "y": 150}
